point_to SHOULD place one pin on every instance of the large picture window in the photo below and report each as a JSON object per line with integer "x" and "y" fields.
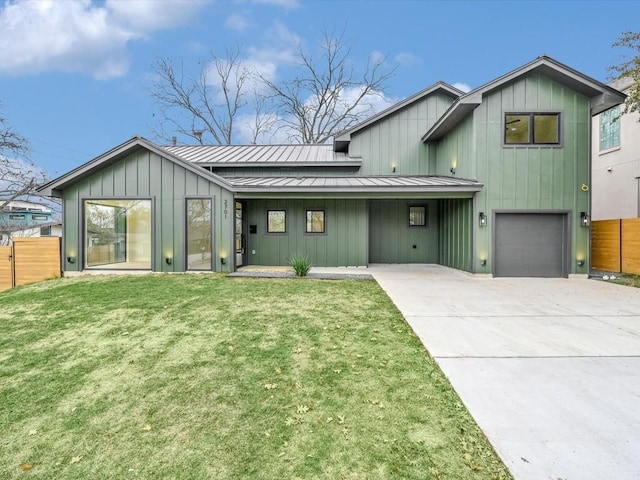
{"x": 276, "y": 221}
{"x": 610, "y": 128}
{"x": 199, "y": 224}
{"x": 117, "y": 233}
{"x": 315, "y": 221}
{"x": 532, "y": 129}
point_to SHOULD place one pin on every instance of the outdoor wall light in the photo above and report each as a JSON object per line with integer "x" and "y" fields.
{"x": 482, "y": 219}
{"x": 483, "y": 262}
{"x": 169, "y": 260}
{"x": 223, "y": 260}
{"x": 585, "y": 220}
{"x": 71, "y": 259}
{"x": 580, "y": 263}
{"x": 453, "y": 170}
{"x": 393, "y": 168}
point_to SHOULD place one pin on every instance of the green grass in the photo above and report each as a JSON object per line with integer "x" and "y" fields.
{"x": 206, "y": 376}
{"x": 627, "y": 279}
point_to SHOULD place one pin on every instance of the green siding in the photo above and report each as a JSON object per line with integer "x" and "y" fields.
{"x": 343, "y": 244}
{"x": 395, "y": 140}
{"x": 524, "y": 177}
{"x": 147, "y": 175}
{"x": 392, "y": 240}
{"x": 456, "y": 234}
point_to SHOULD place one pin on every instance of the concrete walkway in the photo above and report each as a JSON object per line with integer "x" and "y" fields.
{"x": 549, "y": 368}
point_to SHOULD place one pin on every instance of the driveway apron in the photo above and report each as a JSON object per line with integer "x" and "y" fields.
{"x": 549, "y": 368}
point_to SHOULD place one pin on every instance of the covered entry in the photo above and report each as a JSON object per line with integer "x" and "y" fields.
{"x": 531, "y": 244}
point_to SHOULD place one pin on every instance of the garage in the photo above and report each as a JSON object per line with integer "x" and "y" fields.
{"x": 531, "y": 244}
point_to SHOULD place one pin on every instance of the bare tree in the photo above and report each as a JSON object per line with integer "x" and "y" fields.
{"x": 18, "y": 177}
{"x": 205, "y": 107}
{"x": 329, "y": 95}
{"x": 629, "y": 67}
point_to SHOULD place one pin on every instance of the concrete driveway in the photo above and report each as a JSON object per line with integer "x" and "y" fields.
{"x": 549, "y": 368}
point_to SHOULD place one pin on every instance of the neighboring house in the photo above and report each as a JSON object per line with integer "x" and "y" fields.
{"x": 49, "y": 229}
{"x": 493, "y": 181}
{"x": 616, "y": 161}
{"x": 24, "y": 219}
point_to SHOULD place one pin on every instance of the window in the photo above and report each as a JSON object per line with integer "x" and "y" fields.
{"x": 39, "y": 217}
{"x": 315, "y": 221}
{"x": 610, "y": 128}
{"x": 199, "y": 234}
{"x": 45, "y": 231}
{"x": 118, "y": 233}
{"x": 418, "y": 216}
{"x": 276, "y": 221}
{"x": 16, "y": 216}
{"x": 532, "y": 129}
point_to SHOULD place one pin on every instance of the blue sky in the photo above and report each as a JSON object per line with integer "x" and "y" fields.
{"x": 75, "y": 75}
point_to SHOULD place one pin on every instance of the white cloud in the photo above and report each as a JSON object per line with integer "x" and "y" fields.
{"x": 289, "y": 4}
{"x": 237, "y": 22}
{"x": 407, "y": 59}
{"x": 81, "y": 36}
{"x": 462, "y": 86}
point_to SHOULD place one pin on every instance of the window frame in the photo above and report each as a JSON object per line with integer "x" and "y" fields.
{"x": 531, "y": 142}
{"x": 324, "y": 221}
{"x": 611, "y": 122}
{"x": 39, "y": 216}
{"x": 267, "y": 230}
{"x": 17, "y": 216}
{"x": 212, "y": 244}
{"x": 425, "y": 216}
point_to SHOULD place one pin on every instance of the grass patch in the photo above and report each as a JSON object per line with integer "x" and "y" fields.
{"x": 205, "y": 376}
{"x": 627, "y": 279}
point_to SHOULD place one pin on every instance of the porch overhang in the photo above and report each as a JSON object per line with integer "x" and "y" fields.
{"x": 415, "y": 186}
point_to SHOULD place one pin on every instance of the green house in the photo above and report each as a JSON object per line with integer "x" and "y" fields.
{"x": 496, "y": 180}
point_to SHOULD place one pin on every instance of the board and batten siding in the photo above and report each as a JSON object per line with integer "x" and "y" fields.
{"x": 392, "y": 240}
{"x": 344, "y": 242}
{"x": 456, "y": 233}
{"x": 144, "y": 174}
{"x": 395, "y": 139}
{"x": 525, "y": 178}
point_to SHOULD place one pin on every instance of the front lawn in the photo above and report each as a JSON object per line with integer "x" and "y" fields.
{"x": 206, "y": 376}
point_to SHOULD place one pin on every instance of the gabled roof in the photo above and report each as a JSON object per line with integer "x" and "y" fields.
{"x": 55, "y": 187}
{"x": 343, "y": 138}
{"x": 602, "y": 96}
{"x": 316, "y": 155}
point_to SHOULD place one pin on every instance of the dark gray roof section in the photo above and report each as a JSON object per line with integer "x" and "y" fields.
{"x": 602, "y": 96}
{"x": 343, "y": 138}
{"x": 343, "y": 184}
{"x": 54, "y": 187}
{"x": 264, "y": 155}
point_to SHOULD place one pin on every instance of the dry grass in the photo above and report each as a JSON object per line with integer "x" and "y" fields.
{"x": 205, "y": 376}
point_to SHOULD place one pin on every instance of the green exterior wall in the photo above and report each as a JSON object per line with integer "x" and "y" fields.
{"x": 143, "y": 174}
{"x": 524, "y": 177}
{"x": 395, "y": 139}
{"x": 392, "y": 240}
{"x": 456, "y": 234}
{"x": 343, "y": 244}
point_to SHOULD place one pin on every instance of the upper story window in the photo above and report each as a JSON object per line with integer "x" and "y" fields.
{"x": 610, "y": 128}
{"x": 532, "y": 128}
{"x": 17, "y": 216}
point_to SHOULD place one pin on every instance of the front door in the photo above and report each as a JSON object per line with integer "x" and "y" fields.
{"x": 240, "y": 238}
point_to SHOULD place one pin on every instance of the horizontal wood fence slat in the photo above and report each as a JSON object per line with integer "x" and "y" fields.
{"x": 29, "y": 259}
{"x": 615, "y": 245}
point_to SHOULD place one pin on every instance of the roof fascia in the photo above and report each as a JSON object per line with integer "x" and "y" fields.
{"x": 54, "y": 187}
{"x": 344, "y": 137}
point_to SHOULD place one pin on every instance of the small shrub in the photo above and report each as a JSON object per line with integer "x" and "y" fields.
{"x": 300, "y": 264}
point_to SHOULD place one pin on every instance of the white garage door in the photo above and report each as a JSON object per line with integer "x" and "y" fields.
{"x": 531, "y": 245}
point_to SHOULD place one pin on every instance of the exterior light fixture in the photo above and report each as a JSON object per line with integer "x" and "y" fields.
{"x": 580, "y": 263}
{"x": 483, "y": 262}
{"x": 223, "y": 260}
{"x": 71, "y": 259}
{"x": 585, "y": 220}
{"x": 482, "y": 219}
{"x": 453, "y": 170}
{"x": 169, "y": 260}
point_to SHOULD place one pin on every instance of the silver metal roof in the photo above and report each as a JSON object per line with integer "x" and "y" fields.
{"x": 262, "y": 155}
{"x": 414, "y": 183}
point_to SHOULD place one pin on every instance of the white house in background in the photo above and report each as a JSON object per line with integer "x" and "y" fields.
{"x": 22, "y": 219}
{"x": 616, "y": 161}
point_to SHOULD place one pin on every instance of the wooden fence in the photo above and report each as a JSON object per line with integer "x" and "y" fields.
{"x": 615, "y": 245}
{"x": 29, "y": 260}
